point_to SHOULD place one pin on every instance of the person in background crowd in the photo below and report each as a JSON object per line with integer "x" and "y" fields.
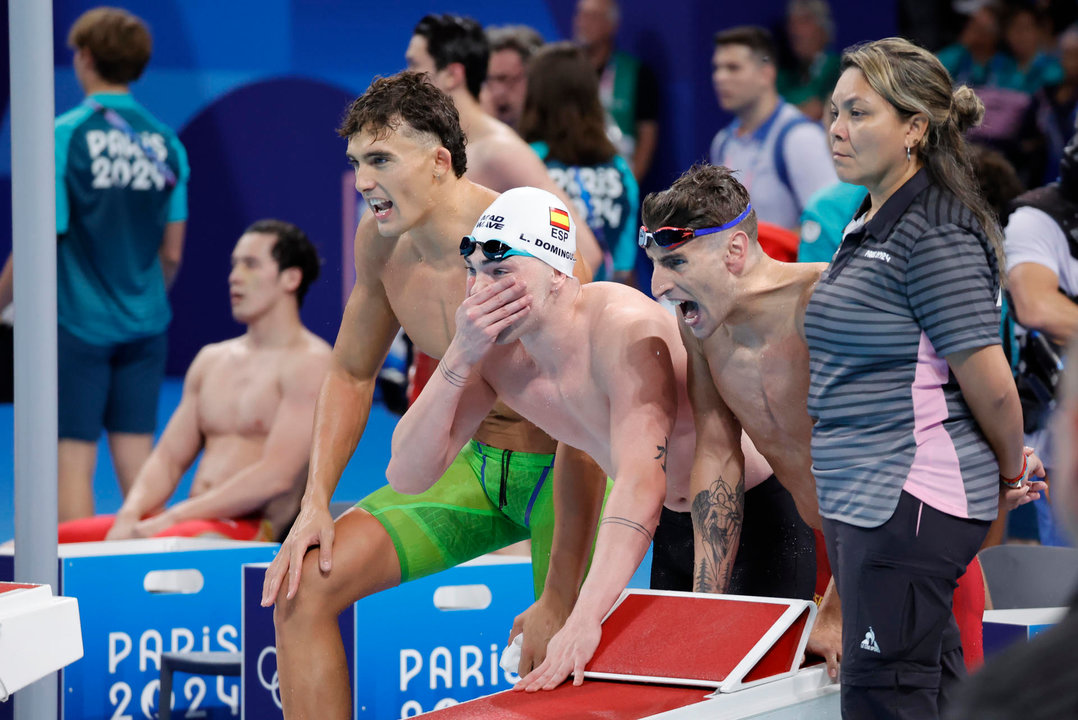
{"x": 807, "y": 78}
{"x": 780, "y": 155}
{"x": 564, "y": 123}
{"x": 1058, "y": 104}
{"x": 627, "y": 88}
{"x": 932, "y": 25}
{"x": 511, "y": 47}
{"x": 1025, "y": 32}
{"x": 1042, "y": 281}
{"x": 977, "y": 58}
{"x": 121, "y": 211}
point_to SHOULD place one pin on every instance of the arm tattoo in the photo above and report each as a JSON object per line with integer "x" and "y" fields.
{"x": 631, "y": 524}
{"x": 662, "y": 452}
{"x": 717, "y": 514}
{"x": 451, "y": 377}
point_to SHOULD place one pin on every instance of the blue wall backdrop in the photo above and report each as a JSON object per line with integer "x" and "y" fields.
{"x": 255, "y": 90}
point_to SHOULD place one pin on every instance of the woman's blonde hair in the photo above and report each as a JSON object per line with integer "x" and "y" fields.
{"x": 914, "y": 81}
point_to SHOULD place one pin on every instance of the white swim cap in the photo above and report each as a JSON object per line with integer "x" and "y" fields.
{"x": 532, "y": 222}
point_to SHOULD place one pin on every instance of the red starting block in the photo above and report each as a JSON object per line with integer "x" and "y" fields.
{"x": 725, "y": 642}
{"x": 39, "y": 634}
{"x": 659, "y": 649}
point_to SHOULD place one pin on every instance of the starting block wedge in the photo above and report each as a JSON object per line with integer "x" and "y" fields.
{"x": 39, "y": 634}
{"x": 660, "y": 652}
{"x": 726, "y": 642}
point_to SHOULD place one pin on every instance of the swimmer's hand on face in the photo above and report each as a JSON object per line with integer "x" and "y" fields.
{"x": 313, "y": 526}
{"x": 482, "y": 317}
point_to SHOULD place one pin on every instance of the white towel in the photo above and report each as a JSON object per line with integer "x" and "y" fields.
{"x": 510, "y": 661}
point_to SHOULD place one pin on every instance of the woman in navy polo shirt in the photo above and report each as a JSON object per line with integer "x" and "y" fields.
{"x": 917, "y": 417}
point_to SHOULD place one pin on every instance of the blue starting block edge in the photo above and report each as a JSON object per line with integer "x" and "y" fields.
{"x": 139, "y": 598}
{"x": 426, "y": 644}
{"x": 1003, "y": 628}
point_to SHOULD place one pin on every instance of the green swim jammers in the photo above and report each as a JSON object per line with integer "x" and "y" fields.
{"x": 487, "y": 499}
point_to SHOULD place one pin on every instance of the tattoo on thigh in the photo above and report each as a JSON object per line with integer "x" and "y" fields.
{"x": 661, "y": 457}
{"x": 717, "y": 514}
{"x": 631, "y": 524}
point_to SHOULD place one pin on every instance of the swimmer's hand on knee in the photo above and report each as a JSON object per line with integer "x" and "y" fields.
{"x": 313, "y": 526}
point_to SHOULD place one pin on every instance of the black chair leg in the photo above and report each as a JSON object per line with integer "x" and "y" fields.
{"x": 164, "y": 701}
{"x": 196, "y": 663}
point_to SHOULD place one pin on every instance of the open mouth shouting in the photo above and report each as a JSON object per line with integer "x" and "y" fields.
{"x": 379, "y": 207}
{"x": 690, "y": 311}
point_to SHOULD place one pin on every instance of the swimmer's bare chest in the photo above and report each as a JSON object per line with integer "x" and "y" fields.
{"x": 425, "y": 298}
{"x": 239, "y": 395}
{"x": 568, "y": 407}
{"x": 237, "y": 401}
{"x": 767, "y": 390}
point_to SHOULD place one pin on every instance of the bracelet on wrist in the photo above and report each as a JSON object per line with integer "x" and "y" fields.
{"x": 1016, "y": 482}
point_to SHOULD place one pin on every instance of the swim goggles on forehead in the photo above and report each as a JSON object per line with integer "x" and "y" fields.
{"x": 492, "y": 249}
{"x": 668, "y": 237}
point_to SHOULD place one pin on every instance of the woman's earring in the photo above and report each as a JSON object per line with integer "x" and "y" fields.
{"x": 907, "y": 153}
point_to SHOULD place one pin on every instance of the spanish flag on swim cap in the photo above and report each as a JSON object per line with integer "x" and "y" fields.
{"x": 559, "y": 218}
{"x": 533, "y": 221}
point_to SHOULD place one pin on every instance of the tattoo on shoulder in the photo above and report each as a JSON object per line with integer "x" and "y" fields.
{"x": 717, "y": 514}
{"x": 661, "y": 457}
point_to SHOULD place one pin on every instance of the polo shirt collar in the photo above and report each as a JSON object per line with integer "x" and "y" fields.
{"x": 884, "y": 220}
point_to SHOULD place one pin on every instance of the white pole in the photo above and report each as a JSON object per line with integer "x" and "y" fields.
{"x": 33, "y": 208}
